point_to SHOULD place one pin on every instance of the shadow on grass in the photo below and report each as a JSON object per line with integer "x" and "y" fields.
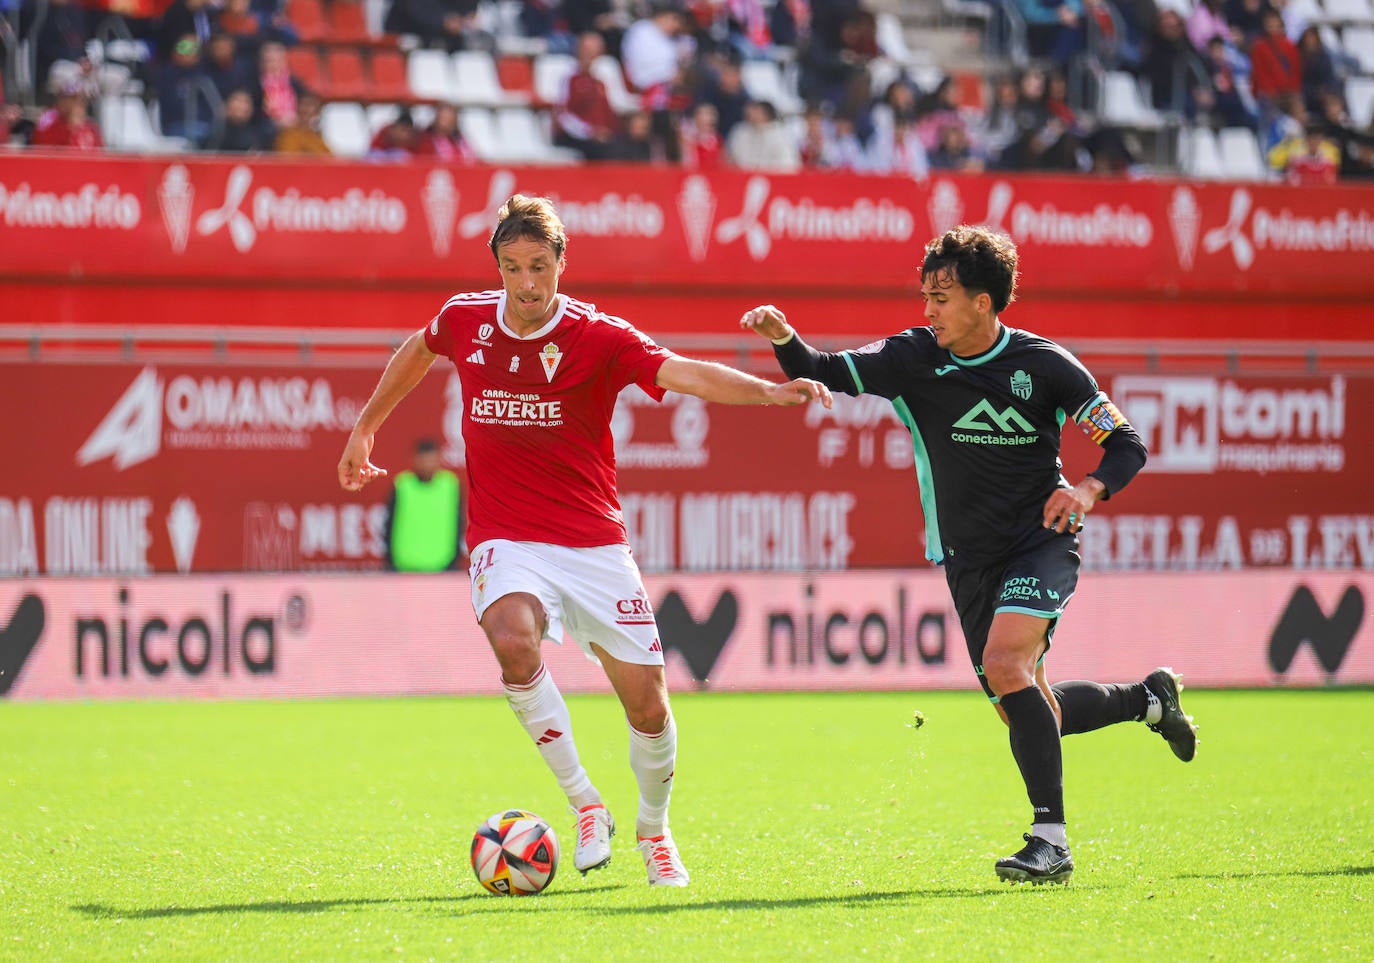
{"x": 1246, "y": 874}
{"x": 561, "y": 899}
{"x": 101, "y": 911}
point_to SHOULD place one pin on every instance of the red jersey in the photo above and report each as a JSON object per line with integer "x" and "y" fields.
{"x": 537, "y": 417}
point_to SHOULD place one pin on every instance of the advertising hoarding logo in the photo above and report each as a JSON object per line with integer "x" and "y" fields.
{"x": 214, "y": 413}
{"x": 18, "y": 638}
{"x": 1184, "y": 219}
{"x": 440, "y": 200}
{"x": 1232, "y": 233}
{"x": 1206, "y": 425}
{"x": 945, "y": 208}
{"x": 762, "y": 220}
{"x": 696, "y": 207}
{"x": 183, "y": 528}
{"x": 174, "y": 197}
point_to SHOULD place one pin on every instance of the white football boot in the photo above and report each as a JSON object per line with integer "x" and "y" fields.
{"x": 662, "y": 862}
{"x": 595, "y": 827}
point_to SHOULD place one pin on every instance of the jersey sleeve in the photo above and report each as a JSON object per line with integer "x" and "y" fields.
{"x": 876, "y": 368}
{"x": 439, "y": 335}
{"x": 635, "y": 358}
{"x": 1123, "y": 451}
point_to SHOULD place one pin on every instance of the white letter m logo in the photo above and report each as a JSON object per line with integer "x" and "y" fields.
{"x": 982, "y": 417}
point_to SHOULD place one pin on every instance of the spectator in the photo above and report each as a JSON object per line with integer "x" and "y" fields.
{"x": 61, "y": 36}
{"x": 242, "y": 131}
{"x": 442, "y": 140}
{"x": 1231, "y": 105}
{"x": 635, "y": 143}
{"x": 1246, "y": 20}
{"x": 583, "y": 118}
{"x": 817, "y": 149}
{"x": 278, "y": 90}
{"x": 68, "y": 122}
{"x": 1054, "y": 28}
{"x": 602, "y": 16}
{"x": 1276, "y": 61}
{"x": 938, "y": 108}
{"x": 396, "y": 141}
{"x": 241, "y": 21}
{"x": 702, "y": 146}
{"x": 183, "y": 94}
{"x": 761, "y": 142}
{"x": 900, "y": 151}
{"x": 450, "y": 24}
{"x": 654, "y": 52}
{"x": 1307, "y": 158}
{"x": 999, "y": 129}
{"x": 424, "y": 522}
{"x": 834, "y": 61}
{"x": 1318, "y": 70}
{"x": 182, "y": 17}
{"x": 851, "y": 154}
{"x": 1207, "y": 20}
{"x": 722, "y": 87}
{"x": 954, "y": 152}
{"x": 224, "y": 66}
{"x": 303, "y": 137}
{"x": 1171, "y": 65}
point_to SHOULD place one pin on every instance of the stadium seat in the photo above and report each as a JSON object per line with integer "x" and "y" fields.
{"x": 1347, "y": 11}
{"x": 389, "y": 76}
{"x": 891, "y": 39}
{"x": 524, "y": 139}
{"x": 345, "y": 80}
{"x": 516, "y": 74}
{"x": 763, "y": 80}
{"x": 476, "y": 80}
{"x": 550, "y": 72}
{"x": 478, "y": 128}
{"x": 348, "y": 22}
{"x": 1123, "y": 104}
{"x": 303, "y": 60}
{"x": 127, "y": 125}
{"x": 1359, "y": 97}
{"x": 607, "y": 70}
{"x": 343, "y": 125}
{"x": 1199, "y": 155}
{"x": 307, "y": 17}
{"x": 430, "y": 75}
{"x": 1359, "y": 43}
{"x": 1240, "y": 154}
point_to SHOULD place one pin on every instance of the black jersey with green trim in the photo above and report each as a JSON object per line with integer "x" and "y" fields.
{"x": 986, "y": 430}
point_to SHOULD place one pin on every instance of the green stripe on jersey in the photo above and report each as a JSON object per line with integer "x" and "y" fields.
{"x": 935, "y": 547}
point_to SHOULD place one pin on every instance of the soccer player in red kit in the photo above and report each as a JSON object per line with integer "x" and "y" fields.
{"x": 540, "y": 373}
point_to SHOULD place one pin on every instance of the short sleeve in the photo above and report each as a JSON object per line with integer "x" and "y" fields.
{"x": 439, "y": 336}
{"x": 636, "y": 358}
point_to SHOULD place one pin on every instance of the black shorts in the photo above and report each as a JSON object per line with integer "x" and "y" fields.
{"x": 1037, "y": 582}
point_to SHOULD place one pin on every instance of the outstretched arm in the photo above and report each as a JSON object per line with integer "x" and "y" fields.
{"x": 717, "y": 382}
{"x": 403, "y": 372}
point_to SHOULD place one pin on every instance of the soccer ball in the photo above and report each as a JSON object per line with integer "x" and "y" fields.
{"x": 514, "y": 853}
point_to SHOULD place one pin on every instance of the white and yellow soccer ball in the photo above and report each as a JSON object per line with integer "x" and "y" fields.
{"x": 515, "y": 853}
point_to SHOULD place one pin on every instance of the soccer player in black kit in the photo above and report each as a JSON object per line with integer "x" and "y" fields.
{"x": 985, "y": 404}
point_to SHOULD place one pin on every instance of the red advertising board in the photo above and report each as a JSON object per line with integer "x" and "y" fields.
{"x": 203, "y": 468}
{"x": 318, "y": 636}
{"x": 158, "y": 220}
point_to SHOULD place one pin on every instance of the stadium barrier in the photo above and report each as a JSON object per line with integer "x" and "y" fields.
{"x": 304, "y": 636}
{"x": 168, "y": 466}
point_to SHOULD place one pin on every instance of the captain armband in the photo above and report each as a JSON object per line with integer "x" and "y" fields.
{"x": 1098, "y": 418}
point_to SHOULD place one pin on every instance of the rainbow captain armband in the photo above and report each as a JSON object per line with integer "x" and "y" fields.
{"x": 1099, "y": 418}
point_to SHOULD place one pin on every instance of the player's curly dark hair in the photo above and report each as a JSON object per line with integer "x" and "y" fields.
{"x": 980, "y": 259}
{"x": 525, "y": 218}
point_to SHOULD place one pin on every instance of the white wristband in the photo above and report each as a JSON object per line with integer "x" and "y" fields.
{"x": 783, "y": 340}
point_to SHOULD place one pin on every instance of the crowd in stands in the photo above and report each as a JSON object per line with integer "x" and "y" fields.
{"x": 218, "y": 75}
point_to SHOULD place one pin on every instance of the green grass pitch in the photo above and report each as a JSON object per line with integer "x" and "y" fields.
{"x": 814, "y": 826}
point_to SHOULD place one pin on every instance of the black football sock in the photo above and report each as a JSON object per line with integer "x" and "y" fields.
{"x": 1086, "y": 705}
{"x": 1035, "y": 746}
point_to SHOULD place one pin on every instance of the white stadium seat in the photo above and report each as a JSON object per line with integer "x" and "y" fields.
{"x": 344, "y": 127}
{"x": 1240, "y": 154}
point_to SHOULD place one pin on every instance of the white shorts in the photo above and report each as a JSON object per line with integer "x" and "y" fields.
{"x": 591, "y": 594}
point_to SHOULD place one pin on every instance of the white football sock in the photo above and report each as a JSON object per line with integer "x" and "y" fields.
{"x": 1051, "y": 833}
{"x": 1153, "y": 710}
{"x": 653, "y": 758}
{"x": 541, "y": 710}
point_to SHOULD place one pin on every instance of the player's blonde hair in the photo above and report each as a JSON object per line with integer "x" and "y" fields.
{"x": 525, "y": 218}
